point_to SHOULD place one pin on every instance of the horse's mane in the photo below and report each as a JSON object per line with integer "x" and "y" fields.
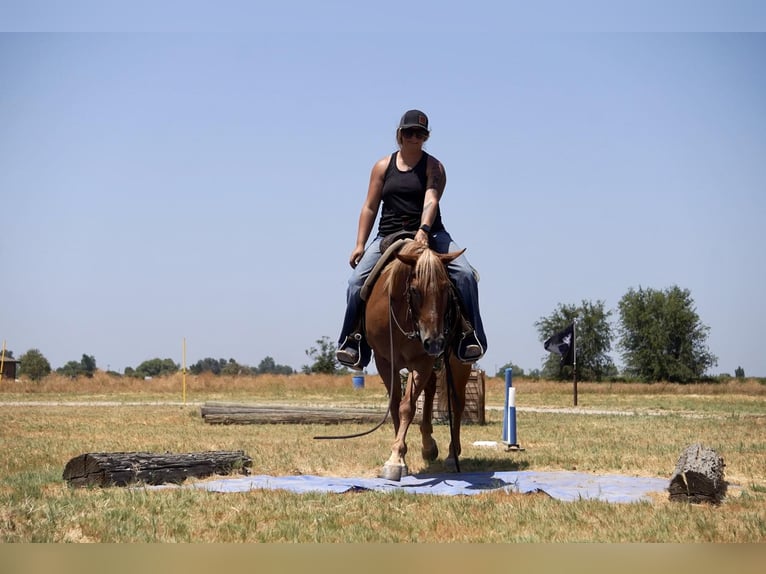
{"x": 429, "y": 269}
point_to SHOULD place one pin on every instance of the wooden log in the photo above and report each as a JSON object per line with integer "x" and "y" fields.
{"x": 124, "y": 468}
{"x": 698, "y": 476}
{"x": 232, "y": 413}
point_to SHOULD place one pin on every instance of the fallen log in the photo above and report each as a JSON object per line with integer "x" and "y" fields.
{"x": 232, "y": 413}
{"x": 698, "y": 476}
{"x": 124, "y": 468}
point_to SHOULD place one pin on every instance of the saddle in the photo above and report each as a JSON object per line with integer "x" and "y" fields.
{"x": 389, "y": 247}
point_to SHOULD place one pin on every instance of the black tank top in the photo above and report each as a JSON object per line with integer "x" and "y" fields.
{"x": 403, "y": 196}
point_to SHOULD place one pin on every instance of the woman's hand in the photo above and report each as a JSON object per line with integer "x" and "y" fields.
{"x": 422, "y": 237}
{"x": 356, "y": 256}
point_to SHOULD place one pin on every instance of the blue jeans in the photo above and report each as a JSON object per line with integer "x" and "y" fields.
{"x": 460, "y": 272}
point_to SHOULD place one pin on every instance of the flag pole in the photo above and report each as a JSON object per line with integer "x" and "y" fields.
{"x": 574, "y": 359}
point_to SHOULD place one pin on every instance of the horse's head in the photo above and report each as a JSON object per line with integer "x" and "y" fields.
{"x": 429, "y": 293}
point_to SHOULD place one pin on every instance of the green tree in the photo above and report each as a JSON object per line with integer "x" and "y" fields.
{"x": 155, "y": 368}
{"x": 85, "y": 366}
{"x": 71, "y": 369}
{"x": 517, "y": 371}
{"x": 662, "y": 337}
{"x": 739, "y": 373}
{"x": 34, "y": 365}
{"x": 323, "y": 356}
{"x": 88, "y": 364}
{"x": 209, "y": 365}
{"x": 269, "y": 366}
{"x": 593, "y": 341}
{"x": 233, "y": 368}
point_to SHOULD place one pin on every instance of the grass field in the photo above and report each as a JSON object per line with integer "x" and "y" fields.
{"x": 630, "y": 429}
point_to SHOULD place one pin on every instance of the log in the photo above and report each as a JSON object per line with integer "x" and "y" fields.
{"x": 233, "y": 413}
{"x": 124, "y": 468}
{"x": 698, "y": 476}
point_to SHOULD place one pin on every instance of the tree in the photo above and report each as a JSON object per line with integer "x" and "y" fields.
{"x": 268, "y": 365}
{"x": 739, "y": 373}
{"x": 208, "y": 364}
{"x": 88, "y": 364}
{"x": 154, "y": 368}
{"x": 517, "y": 371}
{"x": 85, "y": 366}
{"x": 324, "y": 358}
{"x": 34, "y": 365}
{"x": 233, "y": 368}
{"x": 662, "y": 337}
{"x": 72, "y": 369}
{"x": 593, "y": 341}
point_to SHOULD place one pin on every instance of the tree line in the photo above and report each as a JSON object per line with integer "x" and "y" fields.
{"x": 35, "y": 366}
{"x": 659, "y": 334}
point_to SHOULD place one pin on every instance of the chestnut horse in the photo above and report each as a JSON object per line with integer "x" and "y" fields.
{"x": 411, "y": 321}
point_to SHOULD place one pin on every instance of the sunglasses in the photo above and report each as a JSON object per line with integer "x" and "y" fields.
{"x": 417, "y": 132}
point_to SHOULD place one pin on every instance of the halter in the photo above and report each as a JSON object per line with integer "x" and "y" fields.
{"x": 450, "y": 317}
{"x": 415, "y": 333}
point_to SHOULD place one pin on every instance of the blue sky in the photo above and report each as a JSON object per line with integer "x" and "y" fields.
{"x": 201, "y": 177}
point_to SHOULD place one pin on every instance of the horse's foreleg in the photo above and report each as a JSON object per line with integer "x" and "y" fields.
{"x": 396, "y": 465}
{"x": 460, "y": 375}
{"x": 429, "y": 450}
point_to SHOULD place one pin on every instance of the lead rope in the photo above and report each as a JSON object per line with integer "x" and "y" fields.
{"x": 450, "y": 391}
{"x": 390, "y": 391}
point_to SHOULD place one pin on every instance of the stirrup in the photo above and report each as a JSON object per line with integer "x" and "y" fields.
{"x": 349, "y": 353}
{"x": 469, "y": 350}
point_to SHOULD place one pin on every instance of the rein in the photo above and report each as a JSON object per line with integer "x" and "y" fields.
{"x": 451, "y": 392}
{"x": 390, "y": 391}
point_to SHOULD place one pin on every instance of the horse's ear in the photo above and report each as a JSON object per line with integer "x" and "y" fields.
{"x": 408, "y": 258}
{"x": 448, "y": 257}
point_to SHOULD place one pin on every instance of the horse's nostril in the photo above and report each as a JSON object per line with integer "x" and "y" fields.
{"x": 433, "y": 346}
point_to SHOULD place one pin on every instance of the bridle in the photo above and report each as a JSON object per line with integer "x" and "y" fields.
{"x": 450, "y": 324}
{"x": 450, "y": 318}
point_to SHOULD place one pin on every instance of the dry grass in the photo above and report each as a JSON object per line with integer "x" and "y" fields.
{"x": 37, "y": 441}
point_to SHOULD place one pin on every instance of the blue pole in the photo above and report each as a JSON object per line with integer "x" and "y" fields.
{"x": 509, "y": 417}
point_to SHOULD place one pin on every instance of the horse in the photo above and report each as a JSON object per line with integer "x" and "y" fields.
{"x": 412, "y": 320}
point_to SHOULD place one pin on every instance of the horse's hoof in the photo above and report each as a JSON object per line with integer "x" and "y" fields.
{"x": 450, "y": 464}
{"x": 394, "y": 472}
{"x": 430, "y": 454}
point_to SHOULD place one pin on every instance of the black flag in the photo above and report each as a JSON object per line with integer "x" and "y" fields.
{"x": 563, "y": 343}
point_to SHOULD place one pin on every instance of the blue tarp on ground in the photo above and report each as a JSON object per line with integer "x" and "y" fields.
{"x": 567, "y": 486}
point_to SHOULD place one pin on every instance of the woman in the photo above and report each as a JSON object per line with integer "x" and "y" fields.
{"x": 409, "y": 183}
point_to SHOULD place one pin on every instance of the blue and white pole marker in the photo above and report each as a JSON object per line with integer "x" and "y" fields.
{"x": 509, "y": 417}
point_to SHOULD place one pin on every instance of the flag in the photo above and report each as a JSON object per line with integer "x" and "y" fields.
{"x": 562, "y": 343}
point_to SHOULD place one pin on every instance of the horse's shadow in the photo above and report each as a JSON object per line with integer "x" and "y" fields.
{"x": 477, "y": 464}
{"x": 479, "y": 473}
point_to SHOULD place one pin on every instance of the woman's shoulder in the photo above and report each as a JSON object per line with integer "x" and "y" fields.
{"x": 383, "y": 163}
{"x": 432, "y": 162}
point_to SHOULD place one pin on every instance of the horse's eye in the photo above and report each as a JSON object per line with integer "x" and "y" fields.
{"x": 414, "y": 295}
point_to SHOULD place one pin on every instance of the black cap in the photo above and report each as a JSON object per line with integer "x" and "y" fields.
{"x": 414, "y": 119}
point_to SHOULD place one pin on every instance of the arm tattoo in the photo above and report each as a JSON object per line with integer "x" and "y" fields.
{"x": 436, "y": 179}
